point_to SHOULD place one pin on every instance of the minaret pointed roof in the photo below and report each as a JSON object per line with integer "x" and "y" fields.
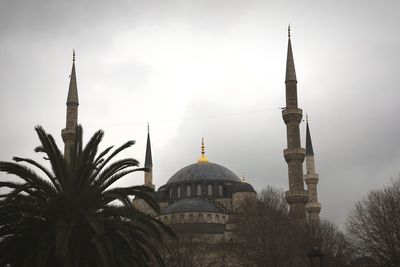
{"x": 73, "y": 88}
{"x": 309, "y": 148}
{"x": 148, "y": 160}
{"x": 290, "y": 70}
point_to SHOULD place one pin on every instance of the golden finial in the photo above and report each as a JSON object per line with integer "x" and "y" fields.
{"x": 243, "y": 179}
{"x": 202, "y": 159}
{"x": 289, "y": 30}
{"x": 73, "y": 55}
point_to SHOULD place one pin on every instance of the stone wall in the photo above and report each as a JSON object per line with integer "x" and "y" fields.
{"x": 194, "y": 217}
{"x": 143, "y": 207}
{"x": 239, "y": 197}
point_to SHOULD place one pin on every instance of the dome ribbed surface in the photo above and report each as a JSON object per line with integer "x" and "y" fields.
{"x": 191, "y": 205}
{"x": 203, "y": 172}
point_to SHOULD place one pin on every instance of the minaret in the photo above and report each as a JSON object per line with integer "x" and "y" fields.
{"x": 68, "y": 134}
{"x": 148, "y": 175}
{"x": 296, "y": 196}
{"x": 313, "y": 207}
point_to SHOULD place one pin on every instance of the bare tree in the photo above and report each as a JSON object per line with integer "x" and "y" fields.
{"x": 374, "y": 225}
{"x": 334, "y": 245}
{"x": 185, "y": 251}
{"x": 263, "y": 234}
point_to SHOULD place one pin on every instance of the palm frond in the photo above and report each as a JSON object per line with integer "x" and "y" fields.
{"x": 28, "y": 176}
{"x": 42, "y": 168}
{"x": 68, "y": 217}
{"x": 103, "y": 153}
{"x": 115, "y": 167}
{"x": 142, "y": 192}
{"x": 113, "y": 154}
{"x": 55, "y": 156}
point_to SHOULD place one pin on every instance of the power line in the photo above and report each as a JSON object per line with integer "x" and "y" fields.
{"x": 185, "y": 118}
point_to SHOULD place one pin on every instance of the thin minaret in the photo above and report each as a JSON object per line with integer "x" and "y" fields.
{"x": 68, "y": 134}
{"x": 148, "y": 175}
{"x": 294, "y": 155}
{"x": 313, "y": 207}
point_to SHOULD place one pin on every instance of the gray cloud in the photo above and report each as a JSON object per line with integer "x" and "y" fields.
{"x": 212, "y": 69}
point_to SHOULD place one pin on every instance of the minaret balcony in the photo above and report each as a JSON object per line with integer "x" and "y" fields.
{"x": 313, "y": 207}
{"x": 296, "y": 196}
{"x": 294, "y": 154}
{"x": 311, "y": 178}
{"x": 292, "y": 115}
{"x": 68, "y": 134}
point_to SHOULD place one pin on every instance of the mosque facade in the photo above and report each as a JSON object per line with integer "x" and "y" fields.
{"x": 199, "y": 198}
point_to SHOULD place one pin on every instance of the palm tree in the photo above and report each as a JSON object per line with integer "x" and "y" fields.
{"x": 72, "y": 215}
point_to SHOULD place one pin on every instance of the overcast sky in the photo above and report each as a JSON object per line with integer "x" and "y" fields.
{"x": 212, "y": 69}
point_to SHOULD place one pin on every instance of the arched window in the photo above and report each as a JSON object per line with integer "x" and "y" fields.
{"x": 188, "y": 188}
{"x": 220, "y": 190}
{"x": 199, "y": 189}
{"x": 179, "y": 191}
{"x": 209, "y": 189}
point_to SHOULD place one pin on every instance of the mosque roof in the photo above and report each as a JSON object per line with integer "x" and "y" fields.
{"x": 202, "y": 172}
{"x": 199, "y": 228}
{"x": 191, "y": 205}
{"x": 243, "y": 187}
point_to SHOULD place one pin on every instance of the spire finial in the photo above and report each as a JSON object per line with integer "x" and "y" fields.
{"x": 290, "y": 70}
{"x": 306, "y": 117}
{"x": 148, "y": 159}
{"x": 203, "y": 159}
{"x": 72, "y": 97}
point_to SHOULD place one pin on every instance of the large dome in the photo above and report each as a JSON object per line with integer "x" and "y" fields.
{"x": 203, "y": 171}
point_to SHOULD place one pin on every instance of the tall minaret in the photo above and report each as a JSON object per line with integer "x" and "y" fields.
{"x": 148, "y": 175}
{"x": 296, "y": 196}
{"x": 68, "y": 134}
{"x": 313, "y": 206}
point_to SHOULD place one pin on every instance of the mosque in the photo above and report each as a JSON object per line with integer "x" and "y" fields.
{"x": 199, "y": 198}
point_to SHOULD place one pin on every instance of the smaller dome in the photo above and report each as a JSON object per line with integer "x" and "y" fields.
{"x": 191, "y": 205}
{"x": 243, "y": 187}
